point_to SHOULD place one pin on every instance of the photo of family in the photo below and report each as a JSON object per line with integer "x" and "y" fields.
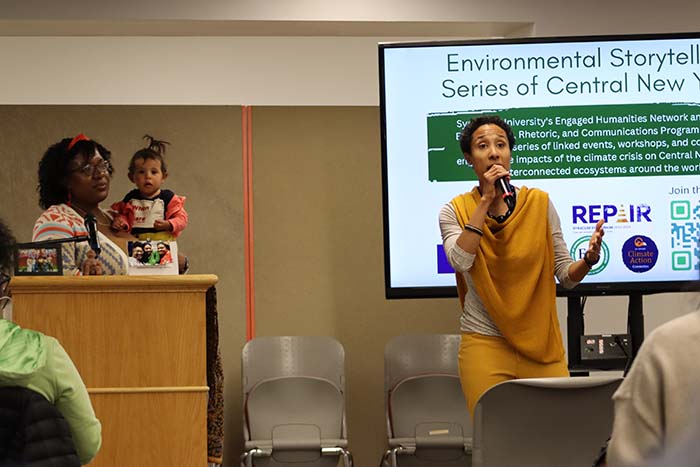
{"x": 152, "y": 257}
{"x": 45, "y": 261}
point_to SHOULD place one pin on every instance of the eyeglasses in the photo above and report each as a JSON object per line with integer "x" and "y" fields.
{"x": 89, "y": 170}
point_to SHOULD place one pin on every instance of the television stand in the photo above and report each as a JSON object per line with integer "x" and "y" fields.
{"x": 575, "y": 329}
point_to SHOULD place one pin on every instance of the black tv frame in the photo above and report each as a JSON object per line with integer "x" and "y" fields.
{"x": 583, "y": 289}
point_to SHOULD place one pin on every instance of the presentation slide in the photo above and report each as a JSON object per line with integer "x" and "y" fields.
{"x": 609, "y": 127}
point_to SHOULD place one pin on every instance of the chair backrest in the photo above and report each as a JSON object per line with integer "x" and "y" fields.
{"x": 411, "y": 355}
{"x": 33, "y": 432}
{"x": 266, "y": 358}
{"x": 425, "y": 406}
{"x": 544, "y": 421}
{"x": 293, "y": 389}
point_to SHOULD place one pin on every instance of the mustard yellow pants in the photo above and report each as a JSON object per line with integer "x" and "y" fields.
{"x": 485, "y": 361}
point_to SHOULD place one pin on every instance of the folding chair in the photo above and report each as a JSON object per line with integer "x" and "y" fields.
{"x": 544, "y": 421}
{"x": 293, "y": 402}
{"x": 426, "y": 414}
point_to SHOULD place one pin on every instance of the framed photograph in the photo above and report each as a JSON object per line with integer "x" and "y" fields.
{"x": 152, "y": 257}
{"x": 45, "y": 260}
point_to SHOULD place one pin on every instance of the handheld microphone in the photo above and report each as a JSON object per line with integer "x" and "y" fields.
{"x": 93, "y": 240}
{"x": 508, "y": 195}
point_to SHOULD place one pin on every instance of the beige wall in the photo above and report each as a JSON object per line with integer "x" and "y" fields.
{"x": 204, "y": 162}
{"x": 319, "y": 256}
{"x": 319, "y": 251}
{"x": 318, "y": 231}
{"x": 318, "y": 228}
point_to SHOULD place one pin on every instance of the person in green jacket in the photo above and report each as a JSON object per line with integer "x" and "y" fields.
{"x": 38, "y": 362}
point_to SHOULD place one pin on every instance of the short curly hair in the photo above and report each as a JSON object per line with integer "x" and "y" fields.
{"x": 7, "y": 247}
{"x": 465, "y": 138}
{"x": 53, "y": 168}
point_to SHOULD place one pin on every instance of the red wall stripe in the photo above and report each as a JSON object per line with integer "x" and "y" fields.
{"x": 247, "y": 137}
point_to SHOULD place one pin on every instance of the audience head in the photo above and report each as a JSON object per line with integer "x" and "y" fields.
{"x": 465, "y": 138}
{"x": 7, "y": 258}
{"x": 74, "y": 170}
{"x": 7, "y": 248}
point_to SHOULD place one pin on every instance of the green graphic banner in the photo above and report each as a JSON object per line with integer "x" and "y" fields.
{"x": 579, "y": 141}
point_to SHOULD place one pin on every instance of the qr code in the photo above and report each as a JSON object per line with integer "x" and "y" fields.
{"x": 685, "y": 234}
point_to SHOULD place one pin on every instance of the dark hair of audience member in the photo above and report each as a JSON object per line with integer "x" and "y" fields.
{"x": 7, "y": 247}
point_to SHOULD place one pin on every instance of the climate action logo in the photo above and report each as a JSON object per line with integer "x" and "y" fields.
{"x": 639, "y": 253}
{"x": 579, "y": 248}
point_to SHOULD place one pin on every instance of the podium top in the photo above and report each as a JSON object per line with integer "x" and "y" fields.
{"x": 102, "y": 284}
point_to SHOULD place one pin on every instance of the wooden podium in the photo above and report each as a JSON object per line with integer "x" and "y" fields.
{"x": 139, "y": 343}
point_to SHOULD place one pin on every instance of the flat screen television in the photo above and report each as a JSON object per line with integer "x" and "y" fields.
{"x": 608, "y": 126}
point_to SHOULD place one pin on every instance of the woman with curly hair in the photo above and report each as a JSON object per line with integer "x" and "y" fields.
{"x": 74, "y": 178}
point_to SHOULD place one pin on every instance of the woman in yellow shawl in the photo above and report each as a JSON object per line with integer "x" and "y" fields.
{"x": 506, "y": 258}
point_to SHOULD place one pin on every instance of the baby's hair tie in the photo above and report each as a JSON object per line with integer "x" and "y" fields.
{"x": 156, "y": 145}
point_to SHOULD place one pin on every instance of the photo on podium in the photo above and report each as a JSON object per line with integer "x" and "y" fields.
{"x": 152, "y": 257}
{"x": 32, "y": 260}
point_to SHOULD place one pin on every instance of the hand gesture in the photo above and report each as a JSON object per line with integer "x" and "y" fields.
{"x": 592, "y": 255}
{"x": 488, "y": 186}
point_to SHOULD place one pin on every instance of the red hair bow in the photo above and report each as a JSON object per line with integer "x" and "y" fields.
{"x": 80, "y": 137}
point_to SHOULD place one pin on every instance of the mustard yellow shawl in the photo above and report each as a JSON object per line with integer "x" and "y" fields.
{"x": 513, "y": 274}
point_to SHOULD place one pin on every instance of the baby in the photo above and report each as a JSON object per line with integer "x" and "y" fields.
{"x": 149, "y": 212}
